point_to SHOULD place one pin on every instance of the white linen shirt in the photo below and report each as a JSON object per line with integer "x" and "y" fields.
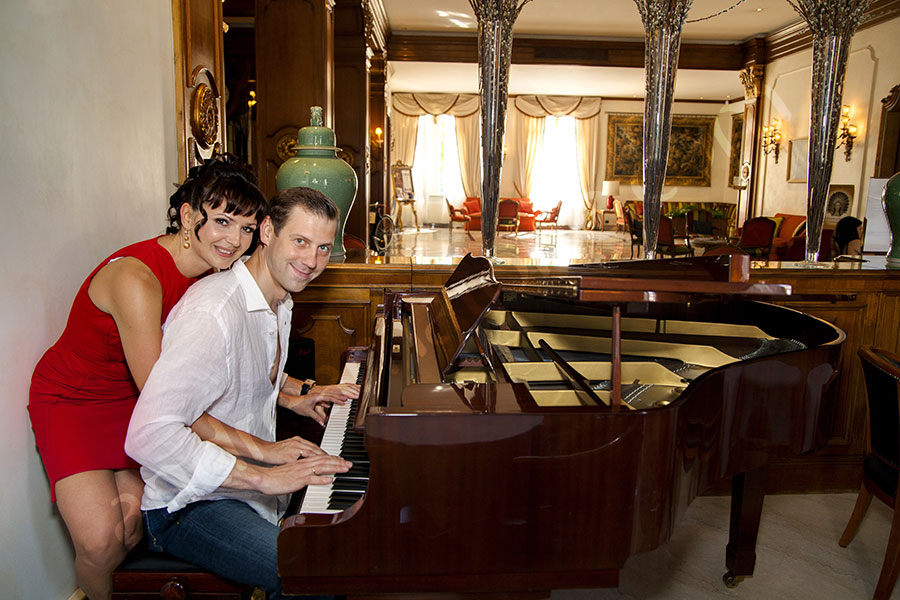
{"x": 218, "y": 349}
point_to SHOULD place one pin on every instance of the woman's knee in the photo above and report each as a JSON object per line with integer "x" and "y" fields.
{"x": 101, "y": 549}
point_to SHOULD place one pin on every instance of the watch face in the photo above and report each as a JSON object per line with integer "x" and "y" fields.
{"x": 838, "y": 204}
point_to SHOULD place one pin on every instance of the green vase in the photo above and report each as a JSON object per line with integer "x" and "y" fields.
{"x": 317, "y": 166}
{"x": 890, "y": 200}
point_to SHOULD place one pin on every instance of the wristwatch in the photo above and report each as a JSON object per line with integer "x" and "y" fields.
{"x": 307, "y": 385}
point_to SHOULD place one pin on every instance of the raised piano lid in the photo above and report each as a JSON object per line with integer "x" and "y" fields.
{"x": 465, "y": 299}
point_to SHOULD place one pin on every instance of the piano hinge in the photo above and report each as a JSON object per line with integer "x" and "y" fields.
{"x": 550, "y": 287}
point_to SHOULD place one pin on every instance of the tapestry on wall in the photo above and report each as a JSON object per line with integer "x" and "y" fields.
{"x": 690, "y": 149}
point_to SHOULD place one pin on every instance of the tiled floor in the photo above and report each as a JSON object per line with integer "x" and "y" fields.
{"x": 797, "y": 551}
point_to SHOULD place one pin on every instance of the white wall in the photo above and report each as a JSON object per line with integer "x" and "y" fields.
{"x": 87, "y": 161}
{"x": 873, "y": 68}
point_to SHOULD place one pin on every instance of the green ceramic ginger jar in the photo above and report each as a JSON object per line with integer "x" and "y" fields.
{"x": 890, "y": 200}
{"x": 317, "y": 166}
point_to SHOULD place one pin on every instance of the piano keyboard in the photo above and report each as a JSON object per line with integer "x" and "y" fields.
{"x": 339, "y": 439}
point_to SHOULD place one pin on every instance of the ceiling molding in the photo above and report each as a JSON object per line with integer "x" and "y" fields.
{"x": 797, "y": 37}
{"x": 547, "y": 51}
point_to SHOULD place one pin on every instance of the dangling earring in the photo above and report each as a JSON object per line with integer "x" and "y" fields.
{"x": 187, "y": 239}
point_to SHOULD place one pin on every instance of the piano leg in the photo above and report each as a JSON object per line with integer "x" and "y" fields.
{"x": 747, "y": 492}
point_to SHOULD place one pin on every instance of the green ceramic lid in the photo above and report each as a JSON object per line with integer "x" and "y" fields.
{"x": 316, "y": 137}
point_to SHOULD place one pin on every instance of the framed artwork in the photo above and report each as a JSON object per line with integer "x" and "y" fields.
{"x": 798, "y": 160}
{"x": 401, "y": 178}
{"x": 690, "y": 149}
{"x": 840, "y": 202}
{"x": 737, "y": 142}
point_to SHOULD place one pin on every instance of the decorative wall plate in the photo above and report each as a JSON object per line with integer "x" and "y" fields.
{"x": 204, "y": 115}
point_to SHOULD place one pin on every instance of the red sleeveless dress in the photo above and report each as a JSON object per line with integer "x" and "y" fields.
{"x": 82, "y": 393}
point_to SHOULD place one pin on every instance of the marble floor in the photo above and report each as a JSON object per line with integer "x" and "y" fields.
{"x": 430, "y": 244}
{"x": 797, "y": 552}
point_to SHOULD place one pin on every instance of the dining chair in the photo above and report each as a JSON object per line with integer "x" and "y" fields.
{"x": 508, "y": 215}
{"x": 881, "y": 371}
{"x": 635, "y": 231}
{"x": 756, "y": 236}
{"x": 665, "y": 240}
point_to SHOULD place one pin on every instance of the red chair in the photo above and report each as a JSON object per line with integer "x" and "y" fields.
{"x": 472, "y": 206}
{"x": 508, "y": 216}
{"x": 756, "y": 237}
{"x": 457, "y": 215}
{"x": 549, "y": 218}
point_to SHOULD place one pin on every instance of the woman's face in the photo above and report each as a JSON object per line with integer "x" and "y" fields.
{"x": 223, "y": 238}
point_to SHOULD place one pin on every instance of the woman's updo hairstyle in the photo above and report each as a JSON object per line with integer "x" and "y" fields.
{"x": 219, "y": 179}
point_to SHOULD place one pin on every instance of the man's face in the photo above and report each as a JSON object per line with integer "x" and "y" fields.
{"x": 300, "y": 252}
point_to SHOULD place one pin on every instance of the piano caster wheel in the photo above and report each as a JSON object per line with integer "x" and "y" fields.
{"x": 731, "y": 580}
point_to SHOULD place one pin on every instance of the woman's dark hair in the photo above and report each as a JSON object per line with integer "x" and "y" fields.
{"x": 219, "y": 179}
{"x": 314, "y": 201}
{"x": 845, "y": 232}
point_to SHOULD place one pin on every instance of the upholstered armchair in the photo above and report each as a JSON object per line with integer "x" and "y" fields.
{"x": 457, "y": 215}
{"x": 527, "y": 214}
{"x": 472, "y": 206}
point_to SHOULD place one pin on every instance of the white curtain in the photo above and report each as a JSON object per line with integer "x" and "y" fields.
{"x": 468, "y": 145}
{"x": 586, "y": 111}
{"x": 404, "y": 130}
{"x": 436, "y": 174}
{"x": 529, "y": 140}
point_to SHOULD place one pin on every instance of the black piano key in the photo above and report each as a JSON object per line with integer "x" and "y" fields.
{"x": 347, "y": 485}
{"x": 341, "y": 504}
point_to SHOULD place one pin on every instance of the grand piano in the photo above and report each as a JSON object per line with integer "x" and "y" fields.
{"x": 518, "y": 438}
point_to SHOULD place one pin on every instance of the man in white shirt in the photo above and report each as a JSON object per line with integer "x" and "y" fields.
{"x": 223, "y": 352}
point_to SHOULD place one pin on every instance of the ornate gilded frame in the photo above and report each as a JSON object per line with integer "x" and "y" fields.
{"x": 690, "y": 149}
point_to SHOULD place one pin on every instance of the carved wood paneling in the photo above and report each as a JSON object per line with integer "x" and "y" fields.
{"x": 294, "y": 71}
{"x": 199, "y": 80}
{"x": 541, "y": 51}
{"x": 351, "y": 103}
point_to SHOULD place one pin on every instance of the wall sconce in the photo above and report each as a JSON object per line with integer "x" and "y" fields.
{"x": 847, "y": 134}
{"x": 771, "y": 139}
{"x": 377, "y": 137}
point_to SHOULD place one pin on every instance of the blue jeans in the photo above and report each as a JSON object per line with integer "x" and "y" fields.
{"x": 225, "y": 537}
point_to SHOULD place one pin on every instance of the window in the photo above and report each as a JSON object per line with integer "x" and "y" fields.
{"x": 436, "y": 168}
{"x": 556, "y": 176}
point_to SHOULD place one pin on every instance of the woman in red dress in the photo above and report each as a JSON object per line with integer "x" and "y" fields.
{"x": 84, "y": 388}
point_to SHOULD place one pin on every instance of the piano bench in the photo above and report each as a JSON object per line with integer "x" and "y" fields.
{"x": 145, "y": 574}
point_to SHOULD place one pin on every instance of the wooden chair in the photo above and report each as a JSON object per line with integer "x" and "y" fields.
{"x": 620, "y": 216}
{"x": 756, "y": 236}
{"x": 665, "y": 240}
{"x": 151, "y": 575}
{"x": 508, "y": 216}
{"x": 457, "y": 215}
{"x": 635, "y": 230}
{"x": 549, "y": 218}
{"x": 881, "y": 370}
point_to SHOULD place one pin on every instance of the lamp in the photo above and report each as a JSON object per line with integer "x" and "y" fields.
{"x": 771, "y": 139}
{"x": 377, "y": 137}
{"x": 609, "y": 189}
{"x": 847, "y": 134}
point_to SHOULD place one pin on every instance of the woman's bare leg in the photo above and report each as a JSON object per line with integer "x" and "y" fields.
{"x": 102, "y": 513}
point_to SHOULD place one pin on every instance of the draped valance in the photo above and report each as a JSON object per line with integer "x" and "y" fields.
{"x": 414, "y": 105}
{"x": 580, "y": 107}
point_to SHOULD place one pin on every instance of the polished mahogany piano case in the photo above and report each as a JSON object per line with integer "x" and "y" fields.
{"x": 485, "y": 481}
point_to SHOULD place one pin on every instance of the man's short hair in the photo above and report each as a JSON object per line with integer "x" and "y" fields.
{"x": 314, "y": 201}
